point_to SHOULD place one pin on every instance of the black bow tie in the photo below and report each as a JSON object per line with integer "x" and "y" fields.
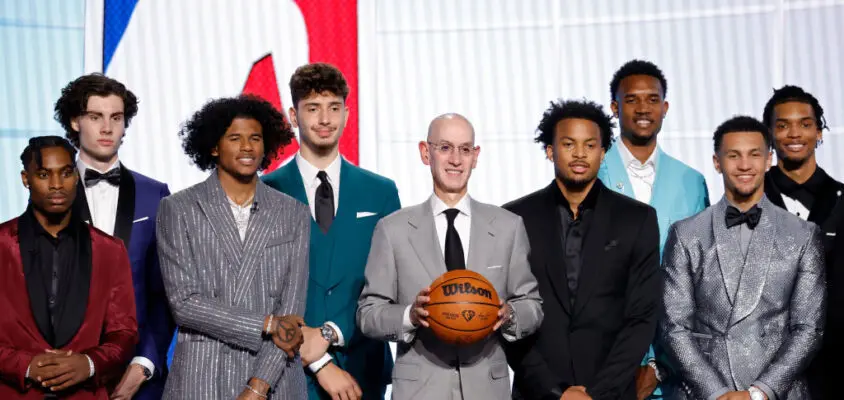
{"x": 93, "y": 177}
{"x": 750, "y": 217}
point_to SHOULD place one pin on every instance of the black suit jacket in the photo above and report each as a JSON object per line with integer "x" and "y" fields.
{"x": 828, "y": 213}
{"x": 599, "y": 342}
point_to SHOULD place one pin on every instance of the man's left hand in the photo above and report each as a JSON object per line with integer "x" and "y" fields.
{"x": 503, "y": 315}
{"x": 645, "y": 382}
{"x": 132, "y": 380}
{"x": 741, "y": 395}
{"x": 65, "y": 372}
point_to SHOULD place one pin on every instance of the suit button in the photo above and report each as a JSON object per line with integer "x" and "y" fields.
{"x": 329, "y": 292}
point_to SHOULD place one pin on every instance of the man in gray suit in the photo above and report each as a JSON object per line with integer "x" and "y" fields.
{"x": 234, "y": 257}
{"x": 744, "y": 292}
{"x": 415, "y": 245}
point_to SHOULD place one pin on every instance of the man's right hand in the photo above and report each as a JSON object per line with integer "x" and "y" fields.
{"x": 418, "y": 314}
{"x": 739, "y": 395}
{"x": 646, "y": 382}
{"x": 286, "y": 332}
{"x": 575, "y": 393}
{"x": 42, "y": 360}
{"x": 338, "y": 383}
{"x": 314, "y": 347}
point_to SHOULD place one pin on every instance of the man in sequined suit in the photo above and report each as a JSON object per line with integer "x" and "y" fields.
{"x": 744, "y": 285}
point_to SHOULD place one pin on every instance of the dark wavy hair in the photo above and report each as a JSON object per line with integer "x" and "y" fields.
{"x": 317, "y": 78}
{"x": 740, "y": 123}
{"x": 580, "y": 109}
{"x": 790, "y": 93}
{"x": 32, "y": 151}
{"x": 207, "y": 126}
{"x": 74, "y": 100}
{"x": 637, "y": 67}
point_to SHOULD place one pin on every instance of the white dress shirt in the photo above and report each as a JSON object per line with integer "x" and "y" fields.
{"x": 102, "y": 199}
{"x": 463, "y": 224}
{"x": 641, "y": 175}
{"x": 795, "y": 207}
{"x": 102, "y": 203}
{"x": 309, "y": 178}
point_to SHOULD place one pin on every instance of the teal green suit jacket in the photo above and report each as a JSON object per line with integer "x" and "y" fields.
{"x": 337, "y": 262}
{"x": 679, "y": 192}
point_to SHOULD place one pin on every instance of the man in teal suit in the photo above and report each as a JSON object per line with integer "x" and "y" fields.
{"x": 639, "y": 169}
{"x": 340, "y": 361}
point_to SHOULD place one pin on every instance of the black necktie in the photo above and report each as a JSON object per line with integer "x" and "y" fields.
{"x": 324, "y": 202}
{"x": 453, "y": 245}
{"x": 750, "y": 217}
{"x": 93, "y": 177}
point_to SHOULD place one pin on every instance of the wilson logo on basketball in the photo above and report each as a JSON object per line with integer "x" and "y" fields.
{"x": 468, "y": 315}
{"x": 466, "y": 288}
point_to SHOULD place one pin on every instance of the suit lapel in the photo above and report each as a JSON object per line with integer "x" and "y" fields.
{"x": 658, "y": 194}
{"x": 260, "y": 229}
{"x": 728, "y": 248}
{"x": 594, "y": 247}
{"x": 759, "y": 252}
{"x": 555, "y": 266}
{"x": 616, "y": 173}
{"x": 424, "y": 241}
{"x": 343, "y": 222}
{"x": 825, "y": 201}
{"x": 481, "y": 239}
{"x": 125, "y": 207}
{"x": 216, "y": 208}
{"x": 36, "y": 292}
{"x": 80, "y": 204}
{"x": 772, "y": 192}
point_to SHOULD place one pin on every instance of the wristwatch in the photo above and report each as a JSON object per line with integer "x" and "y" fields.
{"x": 652, "y": 363}
{"x": 756, "y": 393}
{"x": 328, "y": 334}
{"x": 146, "y": 371}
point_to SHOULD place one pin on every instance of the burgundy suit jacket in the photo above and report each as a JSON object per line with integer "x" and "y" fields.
{"x": 108, "y": 333}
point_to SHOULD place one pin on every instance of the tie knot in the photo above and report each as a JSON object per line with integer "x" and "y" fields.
{"x": 451, "y": 214}
{"x": 322, "y": 175}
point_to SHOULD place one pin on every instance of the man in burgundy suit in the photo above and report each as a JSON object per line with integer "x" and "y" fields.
{"x": 68, "y": 325}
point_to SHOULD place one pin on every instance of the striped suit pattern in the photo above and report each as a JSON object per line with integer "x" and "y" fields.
{"x": 220, "y": 290}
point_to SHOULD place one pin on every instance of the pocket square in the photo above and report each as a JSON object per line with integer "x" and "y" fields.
{"x": 494, "y": 267}
{"x": 830, "y": 233}
{"x": 364, "y": 214}
{"x": 610, "y": 244}
{"x": 140, "y": 220}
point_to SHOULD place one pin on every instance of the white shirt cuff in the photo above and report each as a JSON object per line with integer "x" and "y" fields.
{"x": 316, "y": 365}
{"x": 340, "y": 341}
{"x": 90, "y": 366}
{"x": 145, "y": 362}
{"x": 408, "y": 330}
{"x": 27, "y": 373}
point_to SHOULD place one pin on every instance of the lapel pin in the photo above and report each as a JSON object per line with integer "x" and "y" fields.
{"x": 620, "y": 185}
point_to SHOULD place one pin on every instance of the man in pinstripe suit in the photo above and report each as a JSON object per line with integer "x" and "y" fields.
{"x": 234, "y": 256}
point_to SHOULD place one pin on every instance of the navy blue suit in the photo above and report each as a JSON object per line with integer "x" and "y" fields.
{"x": 134, "y": 224}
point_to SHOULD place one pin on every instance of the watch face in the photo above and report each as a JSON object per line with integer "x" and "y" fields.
{"x": 756, "y": 395}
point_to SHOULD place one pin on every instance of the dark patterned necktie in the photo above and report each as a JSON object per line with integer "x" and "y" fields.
{"x": 750, "y": 217}
{"x": 93, "y": 177}
{"x": 453, "y": 246}
{"x": 324, "y": 202}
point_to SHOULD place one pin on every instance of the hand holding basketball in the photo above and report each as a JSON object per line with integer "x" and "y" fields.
{"x": 417, "y": 310}
{"x": 503, "y": 315}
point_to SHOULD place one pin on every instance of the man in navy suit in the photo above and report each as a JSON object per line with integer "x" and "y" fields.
{"x": 95, "y": 111}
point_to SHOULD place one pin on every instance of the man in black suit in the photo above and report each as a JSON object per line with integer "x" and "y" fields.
{"x": 799, "y": 185}
{"x": 595, "y": 254}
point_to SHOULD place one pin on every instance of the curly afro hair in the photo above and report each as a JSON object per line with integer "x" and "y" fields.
{"x": 204, "y": 130}
{"x": 580, "y": 109}
{"x": 637, "y": 67}
{"x": 74, "y": 101}
{"x": 789, "y": 93}
{"x": 317, "y": 78}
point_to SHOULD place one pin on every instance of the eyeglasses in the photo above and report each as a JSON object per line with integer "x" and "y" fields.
{"x": 446, "y": 148}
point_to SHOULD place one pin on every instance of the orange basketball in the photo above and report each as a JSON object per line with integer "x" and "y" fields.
{"x": 463, "y": 308}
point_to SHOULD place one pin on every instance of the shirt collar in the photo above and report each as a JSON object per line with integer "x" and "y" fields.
{"x": 439, "y": 206}
{"x": 81, "y": 166}
{"x": 39, "y": 230}
{"x": 588, "y": 203}
{"x": 628, "y": 159}
{"x": 309, "y": 171}
{"x": 788, "y": 186}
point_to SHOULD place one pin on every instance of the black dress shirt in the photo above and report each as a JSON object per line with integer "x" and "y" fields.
{"x": 573, "y": 231}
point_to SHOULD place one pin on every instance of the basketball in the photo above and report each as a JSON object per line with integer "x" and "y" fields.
{"x": 463, "y": 308}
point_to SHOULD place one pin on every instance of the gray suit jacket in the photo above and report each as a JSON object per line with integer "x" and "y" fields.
{"x": 220, "y": 290}
{"x": 768, "y": 331}
{"x": 406, "y": 257}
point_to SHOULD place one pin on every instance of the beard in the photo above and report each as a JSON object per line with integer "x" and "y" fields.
{"x": 575, "y": 183}
{"x": 746, "y": 193}
{"x": 638, "y": 138}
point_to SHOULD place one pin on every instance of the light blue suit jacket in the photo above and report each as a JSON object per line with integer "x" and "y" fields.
{"x": 679, "y": 192}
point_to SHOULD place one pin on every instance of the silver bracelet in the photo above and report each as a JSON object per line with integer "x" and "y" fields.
{"x": 251, "y": 389}
{"x": 269, "y": 325}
